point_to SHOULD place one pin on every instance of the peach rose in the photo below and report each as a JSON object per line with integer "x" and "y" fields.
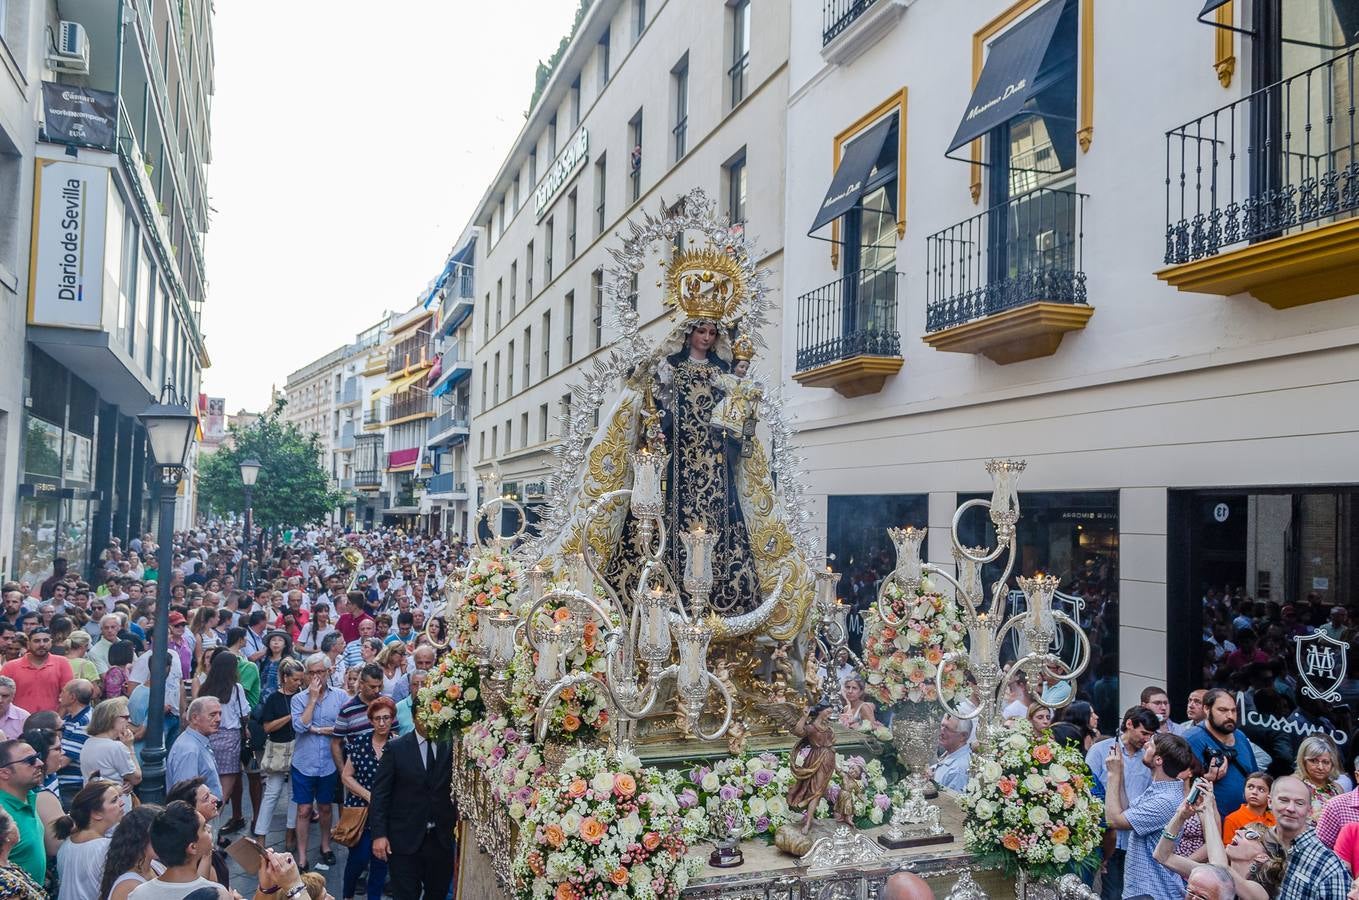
{"x": 554, "y": 835}
{"x": 624, "y": 785}
{"x": 651, "y": 840}
{"x": 1061, "y": 834}
{"x": 566, "y": 892}
{"x": 1010, "y": 842}
{"x": 619, "y": 876}
{"x": 1007, "y": 786}
{"x": 576, "y": 789}
{"x": 570, "y": 722}
{"x": 561, "y": 615}
{"x": 934, "y": 656}
{"x": 454, "y": 691}
{"x": 1043, "y": 754}
{"x": 472, "y": 617}
{"x": 592, "y": 830}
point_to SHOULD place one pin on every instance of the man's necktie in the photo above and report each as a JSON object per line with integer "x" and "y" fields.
{"x": 429, "y": 756}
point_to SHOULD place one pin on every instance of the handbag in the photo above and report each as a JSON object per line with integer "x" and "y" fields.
{"x": 277, "y": 758}
{"x": 349, "y": 829}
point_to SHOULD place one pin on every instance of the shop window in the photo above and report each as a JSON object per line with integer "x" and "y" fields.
{"x": 856, "y": 539}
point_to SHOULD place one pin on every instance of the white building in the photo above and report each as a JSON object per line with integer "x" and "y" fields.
{"x": 1178, "y": 441}
{"x": 647, "y": 102}
{"x": 446, "y": 501}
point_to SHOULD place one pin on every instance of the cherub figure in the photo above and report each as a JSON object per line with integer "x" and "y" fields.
{"x": 851, "y": 790}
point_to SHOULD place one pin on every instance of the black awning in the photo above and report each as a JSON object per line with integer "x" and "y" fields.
{"x": 1212, "y": 5}
{"x": 1346, "y": 13}
{"x": 847, "y": 186}
{"x": 1007, "y": 79}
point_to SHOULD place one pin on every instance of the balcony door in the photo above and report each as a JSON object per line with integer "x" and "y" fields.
{"x": 870, "y": 253}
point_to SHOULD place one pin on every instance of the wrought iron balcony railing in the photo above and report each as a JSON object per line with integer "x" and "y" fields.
{"x": 444, "y": 483}
{"x": 409, "y": 403}
{"x": 372, "y": 416}
{"x": 1025, "y": 250}
{"x": 416, "y": 350}
{"x": 1273, "y": 162}
{"x": 838, "y": 15}
{"x": 367, "y": 477}
{"x": 854, "y": 315}
{"x": 452, "y": 418}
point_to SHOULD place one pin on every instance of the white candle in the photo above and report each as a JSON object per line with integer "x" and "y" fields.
{"x": 655, "y": 631}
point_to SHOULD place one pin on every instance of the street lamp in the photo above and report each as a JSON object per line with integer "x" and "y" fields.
{"x": 250, "y": 470}
{"x": 170, "y": 428}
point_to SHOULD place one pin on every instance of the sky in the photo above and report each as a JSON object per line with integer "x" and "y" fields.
{"x": 348, "y": 154}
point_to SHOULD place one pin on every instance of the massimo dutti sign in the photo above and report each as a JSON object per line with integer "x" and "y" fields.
{"x": 69, "y": 231}
{"x": 80, "y": 115}
{"x": 563, "y": 167}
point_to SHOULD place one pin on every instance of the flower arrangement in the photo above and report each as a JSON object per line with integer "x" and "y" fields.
{"x": 603, "y": 827}
{"x": 450, "y": 698}
{"x": 901, "y": 660}
{"x": 493, "y": 582}
{"x": 759, "y": 782}
{"x": 1029, "y": 807}
{"x": 510, "y": 762}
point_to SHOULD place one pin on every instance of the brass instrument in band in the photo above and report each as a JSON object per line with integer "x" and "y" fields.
{"x": 355, "y": 560}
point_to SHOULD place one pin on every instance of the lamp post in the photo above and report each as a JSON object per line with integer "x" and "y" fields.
{"x": 250, "y": 470}
{"x": 170, "y": 429}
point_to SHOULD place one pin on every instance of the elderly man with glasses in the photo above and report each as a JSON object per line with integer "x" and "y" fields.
{"x": 21, "y": 771}
{"x": 191, "y": 754}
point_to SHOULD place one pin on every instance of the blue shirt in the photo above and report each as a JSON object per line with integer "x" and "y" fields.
{"x": 405, "y": 722}
{"x": 951, "y": 770}
{"x": 1136, "y": 776}
{"x": 1149, "y": 814}
{"x": 1230, "y": 789}
{"x": 311, "y": 753}
{"x": 190, "y": 757}
{"x": 72, "y": 740}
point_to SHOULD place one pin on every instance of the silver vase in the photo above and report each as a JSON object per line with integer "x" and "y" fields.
{"x": 915, "y": 735}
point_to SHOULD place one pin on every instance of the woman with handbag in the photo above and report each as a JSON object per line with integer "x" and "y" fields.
{"x": 277, "y": 759}
{"x": 363, "y": 752}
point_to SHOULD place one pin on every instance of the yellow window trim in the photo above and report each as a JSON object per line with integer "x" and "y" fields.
{"x": 1085, "y": 68}
{"x": 1224, "y": 55}
{"x": 895, "y": 102}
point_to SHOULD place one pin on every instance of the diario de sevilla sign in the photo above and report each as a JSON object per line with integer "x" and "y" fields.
{"x": 563, "y": 167}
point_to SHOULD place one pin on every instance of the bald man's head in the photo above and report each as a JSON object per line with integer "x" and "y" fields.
{"x": 906, "y": 886}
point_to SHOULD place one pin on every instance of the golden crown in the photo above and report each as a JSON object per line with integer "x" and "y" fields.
{"x": 705, "y": 284}
{"x": 743, "y": 347}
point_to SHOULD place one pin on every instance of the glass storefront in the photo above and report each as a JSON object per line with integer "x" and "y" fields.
{"x": 859, "y": 549}
{"x": 1264, "y": 584}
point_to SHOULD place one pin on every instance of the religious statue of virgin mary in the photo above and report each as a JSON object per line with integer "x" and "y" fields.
{"x": 690, "y": 397}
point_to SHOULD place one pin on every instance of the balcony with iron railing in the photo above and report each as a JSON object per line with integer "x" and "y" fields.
{"x": 411, "y": 353}
{"x": 1009, "y": 282}
{"x": 443, "y": 485}
{"x": 367, "y": 477}
{"x": 447, "y": 424}
{"x": 847, "y": 336}
{"x": 1261, "y": 193}
{"x": 849, "y": 27}
{"x": 347, "y": 484}
{"x": 409, "y": 405}
{"x": 373, "y": 416}
{"x": 458, "y": 300}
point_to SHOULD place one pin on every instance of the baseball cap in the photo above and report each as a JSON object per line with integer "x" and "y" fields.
{"x": 177, "y": 618}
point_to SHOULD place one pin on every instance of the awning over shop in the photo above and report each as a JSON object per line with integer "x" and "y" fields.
{"x": 403, "y": 460}
{"x": 1346, "y": 13}
{"x": 1009, "y": 77}
{"x": 847, "y": 185}
{"x": 397, "y": 386}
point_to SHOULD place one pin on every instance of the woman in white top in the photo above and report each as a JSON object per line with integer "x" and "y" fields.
{"x": 107, "y": 752}
{"x": 96, "y": 809}
{"x": 130, "y": 860}
{"x": 315, "y": 631}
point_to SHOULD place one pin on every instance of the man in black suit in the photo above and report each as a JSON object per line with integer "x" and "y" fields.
{"x": 412, "y": 809}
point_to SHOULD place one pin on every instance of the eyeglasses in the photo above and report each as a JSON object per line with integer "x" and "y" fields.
{"x": 31, "y": 760}
{"x": 1251, "y": 834}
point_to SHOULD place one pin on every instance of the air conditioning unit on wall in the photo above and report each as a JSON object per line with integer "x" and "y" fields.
{"x": 72, "y": 51}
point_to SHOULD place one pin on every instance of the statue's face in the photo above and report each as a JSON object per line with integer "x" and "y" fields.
{"x": 742, "y": 367}
{"x": 703, "y": 337}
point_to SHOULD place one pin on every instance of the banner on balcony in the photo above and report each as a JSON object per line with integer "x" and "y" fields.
{"x": 80, "y": 115}
{"x": 1009, "y": 75}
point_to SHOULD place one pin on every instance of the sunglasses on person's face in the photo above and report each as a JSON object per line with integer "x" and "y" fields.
{"x": 31, "y": 760}
{"x": 1251, "y": 834}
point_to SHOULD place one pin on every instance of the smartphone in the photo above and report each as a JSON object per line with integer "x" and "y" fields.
{"x": 248, "y": 853}
{"x": 1193, "y": 797}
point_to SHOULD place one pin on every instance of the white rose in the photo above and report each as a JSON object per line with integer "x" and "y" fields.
{"x": 630, "y": 826}
{"x": 758, "y": 807}
{"x": 629, "y": 762}
{"x": 991, "y": 771}
{"x": 1017, "y": 742}
{"x": 1035, "y": 783}
{"x": 1039, "y": 816}
{"x": 1058, "y": 772}
{"x": 602, "y": 783}
{"x": 1061, "y": 853}
{"x": 570, "y": 822}
{"x": 710, "y": 782}
{"x": 517, "y": 810}
{"x": 777, "y": 806}
{"x": 470, "y": 694}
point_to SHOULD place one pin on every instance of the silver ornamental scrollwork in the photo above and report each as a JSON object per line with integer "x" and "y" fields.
{"x": 843, "y": 848}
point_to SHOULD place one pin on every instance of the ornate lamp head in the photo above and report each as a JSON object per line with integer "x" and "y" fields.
{"x": 647, "y": 497}
{"x": 907, "y": 541}
{"x": 1005, "y": 495}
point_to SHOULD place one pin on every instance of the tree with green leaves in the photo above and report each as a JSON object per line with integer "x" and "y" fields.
{"x": 545, "y": 69}
{"x": 292, "y": 488}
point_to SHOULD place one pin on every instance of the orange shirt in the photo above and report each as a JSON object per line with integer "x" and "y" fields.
{"x": 1241, "y": 818}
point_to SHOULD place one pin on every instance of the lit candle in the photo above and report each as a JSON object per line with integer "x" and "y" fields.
{"x": 551, "y": 649}
{"x": 908, "y": 541}
{"x": 654, "y": 638}
{"x": 537, "y": 580}
{"x": 503, "y": 625}
{"x": 698, "y": 562}
{"x": 691, "y": 679}
{"x": 981, "y": 640}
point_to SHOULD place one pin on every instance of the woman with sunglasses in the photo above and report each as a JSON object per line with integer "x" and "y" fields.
{"x": 1255, "y": 857}
{"x": 96, "y": 810}
{"x": 108, "y": 749}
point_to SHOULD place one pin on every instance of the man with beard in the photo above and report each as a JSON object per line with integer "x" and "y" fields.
{"x": 1218, "y": 737}
{"x": 38, "y": 675}
{"x": 1314, "y": 872}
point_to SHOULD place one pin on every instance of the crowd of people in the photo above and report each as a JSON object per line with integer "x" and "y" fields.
{"x": 295, "y": 694}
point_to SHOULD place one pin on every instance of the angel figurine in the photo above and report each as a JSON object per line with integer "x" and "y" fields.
{"x": 812, "y": 761}
{"x": 851, "y": 790}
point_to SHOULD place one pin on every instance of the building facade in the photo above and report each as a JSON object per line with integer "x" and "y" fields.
{"x": 649, "y": 101}
{"x": 400, "y": 410}
{"x": 1135, "y": 283}
{"x": 114, "y": 280}
{"x": 447, "y": 499}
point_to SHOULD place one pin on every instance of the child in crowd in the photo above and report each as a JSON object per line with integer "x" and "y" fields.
{"x": 1255, "y": 809}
